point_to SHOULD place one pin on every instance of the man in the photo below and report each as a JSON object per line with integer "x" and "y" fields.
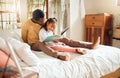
{"x": 30, "y": 30}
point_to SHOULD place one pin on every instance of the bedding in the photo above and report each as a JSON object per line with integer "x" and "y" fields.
{"x": 3, "y": 46}
{"x": 95, "y": 64}
{"x": 24, "y": 52}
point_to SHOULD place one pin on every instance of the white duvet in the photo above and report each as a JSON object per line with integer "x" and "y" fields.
{"x": 94, "y": 64}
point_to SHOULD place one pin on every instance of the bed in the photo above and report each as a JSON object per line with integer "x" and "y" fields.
{"x": 103, "y": 62}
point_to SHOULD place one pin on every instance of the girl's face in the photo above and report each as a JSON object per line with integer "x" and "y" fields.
{"x": 51, "y": 26}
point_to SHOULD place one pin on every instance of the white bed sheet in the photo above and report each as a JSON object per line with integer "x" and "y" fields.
{"x": 94, "y": 64}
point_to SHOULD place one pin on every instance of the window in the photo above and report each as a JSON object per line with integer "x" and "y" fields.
{"x": 9, "y": 13}
{"x": 37, "y": 4}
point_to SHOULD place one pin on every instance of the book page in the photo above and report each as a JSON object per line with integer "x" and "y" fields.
{"x": 64, "y": 30}
{"x": 55, "y": 37}
{"x": 52, "y": 38}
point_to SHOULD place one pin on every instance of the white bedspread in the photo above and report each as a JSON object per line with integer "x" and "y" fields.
{"x": 94, "y": 64}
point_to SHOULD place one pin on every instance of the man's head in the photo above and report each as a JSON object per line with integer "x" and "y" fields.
{"x": 38, "y": 16}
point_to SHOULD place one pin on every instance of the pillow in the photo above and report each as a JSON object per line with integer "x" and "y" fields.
{"x": 3, "y": 46}
{"x": 14, "y": 33}
{"x": 24, "y": 52}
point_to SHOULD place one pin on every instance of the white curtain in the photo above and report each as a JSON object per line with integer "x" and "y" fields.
{"x": 77, "y": 14}
{"x": 57, "y": 9}
{"x": 82, "y": 10}
{"x": 68, "y": 13}
{"x": 82, "y": 17}
{"x": 118, "y": 2}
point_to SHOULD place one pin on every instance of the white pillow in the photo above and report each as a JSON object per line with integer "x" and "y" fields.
{"x": 24, "y": 52}
{"x": 3, "y": 45}
{"x": 15, "y": 33}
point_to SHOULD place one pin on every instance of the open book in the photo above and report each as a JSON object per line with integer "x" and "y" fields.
{"x": 51, "y": 38}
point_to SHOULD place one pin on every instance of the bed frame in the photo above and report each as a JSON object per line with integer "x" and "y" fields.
{"x": 115, "y": 74}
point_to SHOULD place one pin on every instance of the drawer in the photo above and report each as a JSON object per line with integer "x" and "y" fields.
{"x": 94, "y": 20}
{"x": 94, "y": 23}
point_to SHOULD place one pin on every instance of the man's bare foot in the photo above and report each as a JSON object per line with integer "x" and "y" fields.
{"x": 81, "y": 51}
{"x": 96, "y": 43}
{"x": 64, "y": 56}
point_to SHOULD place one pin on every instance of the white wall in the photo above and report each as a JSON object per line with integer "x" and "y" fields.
{"x": 91, "y": 7}
{"x": 103, "y": 6}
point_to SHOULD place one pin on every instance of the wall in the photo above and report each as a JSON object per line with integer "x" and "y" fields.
{"x": 91, "y": 7}
{"x": 103, "y": 6}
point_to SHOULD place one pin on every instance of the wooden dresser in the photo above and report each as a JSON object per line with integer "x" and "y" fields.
{"x": 98, "y": 25}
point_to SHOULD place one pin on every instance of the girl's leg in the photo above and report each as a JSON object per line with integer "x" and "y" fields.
{"x": 68, "y": 49}
{"x": 64, "y": 48}
{"x": 81, "y": 51}
{"x": 41, "y": 46}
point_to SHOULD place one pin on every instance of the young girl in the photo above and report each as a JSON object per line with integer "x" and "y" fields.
{"x": 47, "y": 30}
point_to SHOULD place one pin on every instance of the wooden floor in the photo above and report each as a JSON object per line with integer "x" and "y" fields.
{"x": 115, "y": 74}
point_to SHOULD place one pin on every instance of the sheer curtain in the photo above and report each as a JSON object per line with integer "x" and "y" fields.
{"x": 56, "y": 9}
{"x": 59, "y": 10}
{"x": 118, "y": 2}
{"x": 77, "y": 14}
{"x": 68, "y": 13}
{"x": 82, "y": 12}
{"x": 82, "y": 16}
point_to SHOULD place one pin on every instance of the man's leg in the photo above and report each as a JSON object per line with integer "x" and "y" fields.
{"x": 38, "y": 46}
{"x": 73, "y": 43}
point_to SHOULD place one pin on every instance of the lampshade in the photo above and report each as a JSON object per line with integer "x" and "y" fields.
{"x": 118, "y": 2}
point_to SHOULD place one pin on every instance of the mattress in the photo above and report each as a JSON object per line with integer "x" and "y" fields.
{"x": 95, "y": 64}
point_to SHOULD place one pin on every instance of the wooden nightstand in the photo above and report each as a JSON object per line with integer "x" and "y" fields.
{"x": 98, "y": 25}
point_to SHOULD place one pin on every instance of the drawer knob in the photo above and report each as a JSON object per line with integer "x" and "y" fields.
{"x": 93, "y": 17}
{"x": 93, "y": 23}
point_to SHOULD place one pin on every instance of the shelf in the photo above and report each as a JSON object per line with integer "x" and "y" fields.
{"x": 116, "y": 38}
{"x": 7, "y": 2}
{"x": 7, "y": 12}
